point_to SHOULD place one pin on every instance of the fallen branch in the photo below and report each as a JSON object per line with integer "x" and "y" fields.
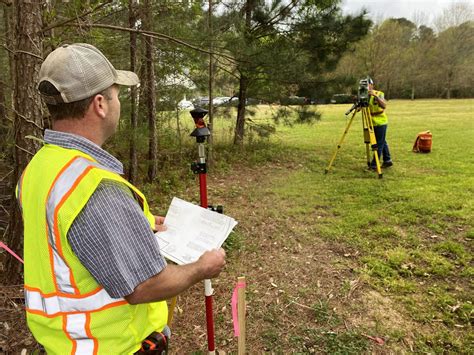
{"x": 377, "y": 340}
{"x": 299, "y": 304}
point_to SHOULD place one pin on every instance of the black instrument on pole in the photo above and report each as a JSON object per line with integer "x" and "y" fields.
{"x": 201, "y": 132}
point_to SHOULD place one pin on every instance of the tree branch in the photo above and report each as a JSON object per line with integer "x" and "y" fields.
{"x": 24, "y": 52}
{"x": 227, "y": 71}
{"x": 7, "y": 175}
{"x": 157, "y": 36}
{"x": 62, "y": 23}
{"x": 275, "y": 18}
{"x": 8, "y": 49}
{"x": 29, "y": 53}
{"x": 27, "y": 120}
{"x": 23, "y": 149}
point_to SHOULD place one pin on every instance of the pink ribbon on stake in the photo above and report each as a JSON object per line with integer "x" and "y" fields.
{"x": 235, "y": 317}
{"x": 4, "y": 246}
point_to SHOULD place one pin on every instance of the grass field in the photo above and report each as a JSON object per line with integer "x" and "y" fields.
{"x": 335, "y": 263}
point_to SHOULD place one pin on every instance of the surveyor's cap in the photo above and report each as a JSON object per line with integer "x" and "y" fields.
{"x": 79, "y": 71}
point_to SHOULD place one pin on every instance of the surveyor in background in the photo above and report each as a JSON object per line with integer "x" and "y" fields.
{"x": 377, "y": 105}
{"x": 95, "y": 281}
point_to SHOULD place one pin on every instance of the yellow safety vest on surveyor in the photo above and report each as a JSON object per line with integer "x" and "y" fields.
{"x": 379, "y": 117}
{"x": 67, "y": 311}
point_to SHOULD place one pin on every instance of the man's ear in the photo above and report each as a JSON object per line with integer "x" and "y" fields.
{"x": 99, "y": 106}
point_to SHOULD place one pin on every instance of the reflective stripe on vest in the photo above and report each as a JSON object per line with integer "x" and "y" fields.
{"x": 77, "y": 326}
{"x": 66, "y": 181}
{"x": 54, "y": 305}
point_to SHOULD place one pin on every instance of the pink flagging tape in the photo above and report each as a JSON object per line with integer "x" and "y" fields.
{"x": 4, "y": 246}
{"x": 235, "y": 317}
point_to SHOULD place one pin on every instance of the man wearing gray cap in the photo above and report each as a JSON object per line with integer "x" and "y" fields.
{"x": 95, "y": 281}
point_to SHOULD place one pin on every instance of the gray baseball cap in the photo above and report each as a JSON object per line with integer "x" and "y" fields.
{"x": 79, "y": 71}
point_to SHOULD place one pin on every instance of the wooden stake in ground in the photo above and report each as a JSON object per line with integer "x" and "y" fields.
{"x": 241, "y": 313}
{"x": 171, "y": 308}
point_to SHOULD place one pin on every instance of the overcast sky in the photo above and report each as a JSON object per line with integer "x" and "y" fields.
{"x": 382, "y": 9}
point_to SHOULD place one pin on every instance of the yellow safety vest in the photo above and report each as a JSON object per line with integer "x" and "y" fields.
{"x": 379, "y": 117}
{"x": 67, "y": 311}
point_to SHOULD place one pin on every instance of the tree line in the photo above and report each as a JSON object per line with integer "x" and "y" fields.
{"x": 266, "y": 50}
{"x": 416, "y": 61}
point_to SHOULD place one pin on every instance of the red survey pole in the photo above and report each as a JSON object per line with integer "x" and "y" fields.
{"x": 201, "y": 132}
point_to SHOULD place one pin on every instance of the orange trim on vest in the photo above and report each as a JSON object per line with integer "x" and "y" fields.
{"x": 51, "y": 259}
{"x": 89, "y": 333}
{"x": 73, "y": 341}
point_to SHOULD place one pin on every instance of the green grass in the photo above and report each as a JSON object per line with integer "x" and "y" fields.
{"x": 329, "y": 342}
{"x": 412, "y": 230}
{"x": 414, "y": 227}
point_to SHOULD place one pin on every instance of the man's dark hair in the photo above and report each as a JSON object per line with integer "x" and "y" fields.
{"x": 64, "y": 110}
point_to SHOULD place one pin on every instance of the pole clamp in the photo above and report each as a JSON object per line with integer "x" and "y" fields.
{"x": 198, "y": 168}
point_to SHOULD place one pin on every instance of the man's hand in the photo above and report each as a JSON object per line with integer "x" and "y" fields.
{"x": 211, "y": 263}
{"x": 159, "y": 226}
{"x": 174, "y": 279}
{"x": 380, "y": 100}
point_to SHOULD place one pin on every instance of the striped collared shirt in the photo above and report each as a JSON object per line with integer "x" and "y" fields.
{"x": 111, "y": 236}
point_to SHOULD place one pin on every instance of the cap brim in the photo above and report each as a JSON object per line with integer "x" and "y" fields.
{"x": 126, "y": 78}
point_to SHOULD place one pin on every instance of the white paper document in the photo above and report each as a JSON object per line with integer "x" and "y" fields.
{"x": 192, "y": 230}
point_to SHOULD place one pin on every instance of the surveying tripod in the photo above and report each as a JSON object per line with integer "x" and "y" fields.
{"x": 369, "y": 136}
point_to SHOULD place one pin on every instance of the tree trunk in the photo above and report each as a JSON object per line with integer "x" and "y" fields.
{"x": 3, "y": 111}
{"x": 6, "y": 96}
{"x": 133, "y": 166}
{"x": 413, "y": 91}
{"x": 178, "y": 129}
{"x": 150, "y": 94}
{"x": 240, "y": 124}
{"x": 27, "y": 116}
{"x": 211, "y": 82}
{"x": 244, "y": 81}
{"x": 448, "y": 86}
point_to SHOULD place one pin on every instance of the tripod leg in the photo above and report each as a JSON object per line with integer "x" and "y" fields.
{"x": 373, "y": 140}
{"x": 340, "y": 142}
{"x": 377, "y": 163}
{"x": 365, "y": 128}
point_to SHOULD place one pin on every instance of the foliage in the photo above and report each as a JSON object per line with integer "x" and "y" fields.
{"x": 410, "y": 61}
{"x": 266, "y": 37}
{"x": 325, "y": 35}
